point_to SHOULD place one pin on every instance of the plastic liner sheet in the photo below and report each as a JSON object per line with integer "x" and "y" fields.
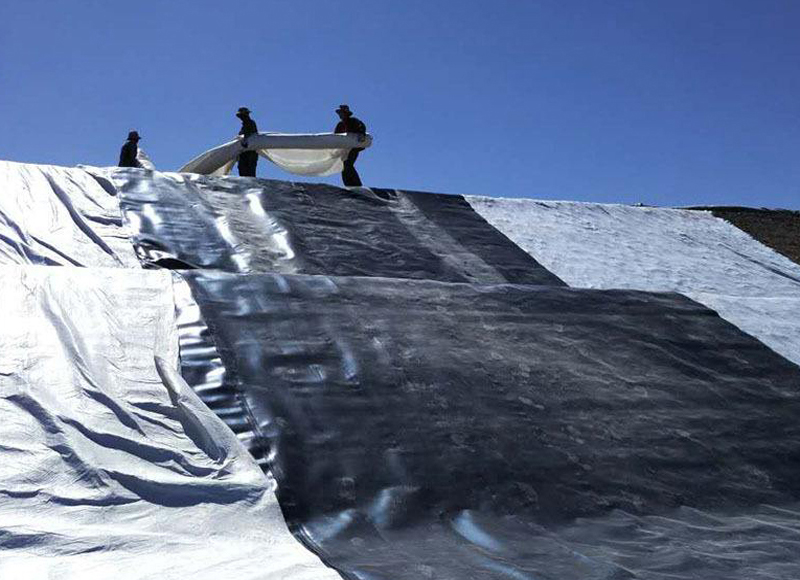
{"x": 593, "y": 245}
{"x": 110, "y": 466}
{"x": 247, "y": 225}
{"x": 429, "y": 430}
{"x": 60, "y": 216}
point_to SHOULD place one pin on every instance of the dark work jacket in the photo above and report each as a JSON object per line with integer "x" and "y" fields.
{"x": 127, "y": 156}
{"x": 351, "y": 125}
{"x": 248, "y": 127}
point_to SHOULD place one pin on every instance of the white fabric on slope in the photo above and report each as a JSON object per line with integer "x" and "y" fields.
{"x": 590, "y": 245}
{"x": 109, "y": 466}
{"x": 144, "y": 160}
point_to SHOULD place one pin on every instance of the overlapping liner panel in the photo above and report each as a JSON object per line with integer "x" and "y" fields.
{"x": 110, "y": 466}
{"x": 420, "y": 429}
{"x": 592, "y": 245}
{"x": 247, "y": 225}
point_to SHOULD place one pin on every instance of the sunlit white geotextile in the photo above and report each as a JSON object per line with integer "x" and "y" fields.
{"x": 591, "y": 245}
{"x": 302, "y": 154}
{"x": 109, "y": 466}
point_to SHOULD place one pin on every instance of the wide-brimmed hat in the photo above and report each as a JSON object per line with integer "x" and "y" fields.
{"x": 133, "y": 135}
{"x": 243, "y": 111}
{"x": 344, "y": 109}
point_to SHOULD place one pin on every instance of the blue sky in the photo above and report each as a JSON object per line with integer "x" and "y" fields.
{"x": 664, "y": 102}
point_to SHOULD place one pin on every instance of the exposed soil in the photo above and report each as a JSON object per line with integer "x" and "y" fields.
{"x": 777, "y": 228}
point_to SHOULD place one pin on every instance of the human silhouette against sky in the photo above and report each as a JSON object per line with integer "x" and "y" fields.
{"x": 350, "y": 124}
{"x": 247, "y": 159}
{"x": 128, "y": 155}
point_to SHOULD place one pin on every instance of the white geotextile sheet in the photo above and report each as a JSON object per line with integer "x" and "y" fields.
{"x": 109, "y": 466}
{"x": 316, "y": 154}
{"x": 60, "y": 216}
{"x": 144, "y": 160}
{"x": 317, "y": 162}
{"x": 590, "y": 245}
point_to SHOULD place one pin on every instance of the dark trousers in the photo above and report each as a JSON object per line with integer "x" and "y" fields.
{"x": 247, "y": 164}
{"x": 350, "y": 176}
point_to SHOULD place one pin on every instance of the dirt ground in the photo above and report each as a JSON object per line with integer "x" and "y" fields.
{"x": 777, "y": 228}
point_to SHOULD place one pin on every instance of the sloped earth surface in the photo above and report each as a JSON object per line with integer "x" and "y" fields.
{"x": 256, "y": 225}
{"x": 422, "y": 429}
{"x": 591, "y": 245}
{"x": 110, "y": 467}
{"x": 778, "y": 229}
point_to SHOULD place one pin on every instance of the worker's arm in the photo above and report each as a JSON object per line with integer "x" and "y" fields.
{"x": 361, "y": 130}
{"x": 249, "y": 127}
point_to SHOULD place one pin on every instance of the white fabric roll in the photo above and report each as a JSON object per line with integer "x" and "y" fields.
{"x": 302, "y": 154}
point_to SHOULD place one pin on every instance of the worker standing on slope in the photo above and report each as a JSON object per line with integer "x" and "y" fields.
{"x": 247, "y": 159}
{"x": 350, "y": 124}
{"x": 128, "y": 155}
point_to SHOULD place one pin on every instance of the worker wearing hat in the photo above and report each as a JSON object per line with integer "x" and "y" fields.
{"x": 350, "y": 124}
{"x": 247, "y": 159}
{"x": 128, "y": 155}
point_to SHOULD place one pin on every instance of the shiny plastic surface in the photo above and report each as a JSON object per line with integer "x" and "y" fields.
{"x": 110, "y": 466}
{"x": 60, "y": 216}
{"x": 591, "y": 245}
{"x": 249, "y": 225}
{"x": 427, "y": 430}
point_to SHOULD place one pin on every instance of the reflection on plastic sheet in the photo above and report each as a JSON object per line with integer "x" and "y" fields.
{"x": 59, "y": 216}
{"x": 110, "y": 466}
{"x": 249, "y": 225}
{"x": 426, "y": 430}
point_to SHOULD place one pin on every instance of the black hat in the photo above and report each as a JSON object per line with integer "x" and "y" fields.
{"x": 133, "y": 135}
{"x": 344, "y": 109}
{"x": 243, "y": 111}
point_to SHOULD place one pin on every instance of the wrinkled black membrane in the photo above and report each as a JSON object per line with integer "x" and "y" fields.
{"x": 428, "y": 430}
{"x": 249, "y": 225}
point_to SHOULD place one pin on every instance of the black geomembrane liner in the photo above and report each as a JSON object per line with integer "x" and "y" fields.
{"x": 420, "y": 429}
{"x": 184, "y": 221}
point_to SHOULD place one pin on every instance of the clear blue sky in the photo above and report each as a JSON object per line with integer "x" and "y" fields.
{"x": 665, "y": 102}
